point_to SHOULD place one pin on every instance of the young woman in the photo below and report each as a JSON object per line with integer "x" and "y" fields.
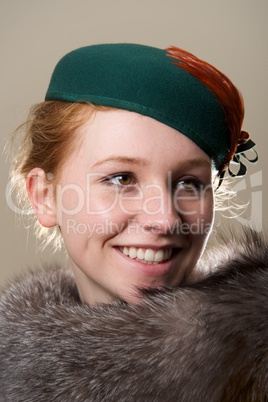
{"x": 120, "y": 163}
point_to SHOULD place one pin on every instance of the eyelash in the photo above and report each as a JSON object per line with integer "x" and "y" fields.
{"x": 109, "y": 179}
{"x": 197, "y": 184}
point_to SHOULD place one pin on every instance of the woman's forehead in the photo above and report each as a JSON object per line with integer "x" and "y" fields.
{"x": 127, "y": 137}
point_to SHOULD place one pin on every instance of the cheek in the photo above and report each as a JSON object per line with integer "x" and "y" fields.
{"x": 197, "y": 217}
{"x": 83, "y": 202}
{"x": 193, "y": 211}
{"x": 208, "y": 206}
{"x": 100, "y": 202}
{"x": 196, "y": 207}
{"x": 94, "y": 220}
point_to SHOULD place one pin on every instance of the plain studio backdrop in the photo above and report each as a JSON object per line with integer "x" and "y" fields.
{"x": 230, "y": 34}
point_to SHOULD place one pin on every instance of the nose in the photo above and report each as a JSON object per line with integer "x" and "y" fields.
{"x": 158, "y": 213}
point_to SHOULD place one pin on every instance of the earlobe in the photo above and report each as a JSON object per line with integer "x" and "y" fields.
{"x": 41, "y": 193}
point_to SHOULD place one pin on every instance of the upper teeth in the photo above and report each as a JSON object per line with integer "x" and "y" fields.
{"x": 148, "y": 254}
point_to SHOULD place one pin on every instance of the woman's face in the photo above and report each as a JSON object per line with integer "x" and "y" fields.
{"x": 135, "y": 206}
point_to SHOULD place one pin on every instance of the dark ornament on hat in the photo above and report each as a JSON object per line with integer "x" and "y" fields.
{"x": 245, "y": 145}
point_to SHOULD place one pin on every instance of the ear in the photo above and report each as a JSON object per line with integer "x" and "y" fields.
{"x": 41, "y": 194}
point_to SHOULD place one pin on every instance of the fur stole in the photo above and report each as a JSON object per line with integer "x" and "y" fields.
{"x": 207, "y": 341}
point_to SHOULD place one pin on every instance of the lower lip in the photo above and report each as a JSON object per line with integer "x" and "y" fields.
{"x": 157, "y": 270}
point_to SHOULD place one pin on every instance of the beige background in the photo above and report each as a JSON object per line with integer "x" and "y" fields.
{"x": 231, "y": 34}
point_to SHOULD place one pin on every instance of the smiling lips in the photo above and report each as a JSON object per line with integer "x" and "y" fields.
{"x": 147, "y": 255}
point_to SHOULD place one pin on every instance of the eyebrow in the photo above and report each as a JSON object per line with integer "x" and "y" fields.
{"x": 194, "y": 163}
{"x": 122, "y": 159}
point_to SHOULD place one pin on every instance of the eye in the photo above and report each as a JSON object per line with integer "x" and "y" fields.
{"x": 190, "y": 185}
{"x": 122, "y": 179}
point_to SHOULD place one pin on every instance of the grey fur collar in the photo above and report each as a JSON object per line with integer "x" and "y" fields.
{"x": 203, "y": 342}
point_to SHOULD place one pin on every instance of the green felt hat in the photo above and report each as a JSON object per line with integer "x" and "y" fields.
{"x": 145, "y": 80}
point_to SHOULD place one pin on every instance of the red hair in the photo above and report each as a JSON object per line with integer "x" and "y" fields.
{"x": 227, "y": 94}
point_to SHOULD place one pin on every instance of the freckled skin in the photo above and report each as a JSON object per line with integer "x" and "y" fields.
{"x": 101, "y": 210}
{"x": 130, "y": 181}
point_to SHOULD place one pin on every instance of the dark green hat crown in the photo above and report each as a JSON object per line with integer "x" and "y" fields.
{"x": 145, "y": 80}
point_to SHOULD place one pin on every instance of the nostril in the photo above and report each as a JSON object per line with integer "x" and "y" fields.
{"x": 154, "y": 227}
{"x": 164, "y": 226}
